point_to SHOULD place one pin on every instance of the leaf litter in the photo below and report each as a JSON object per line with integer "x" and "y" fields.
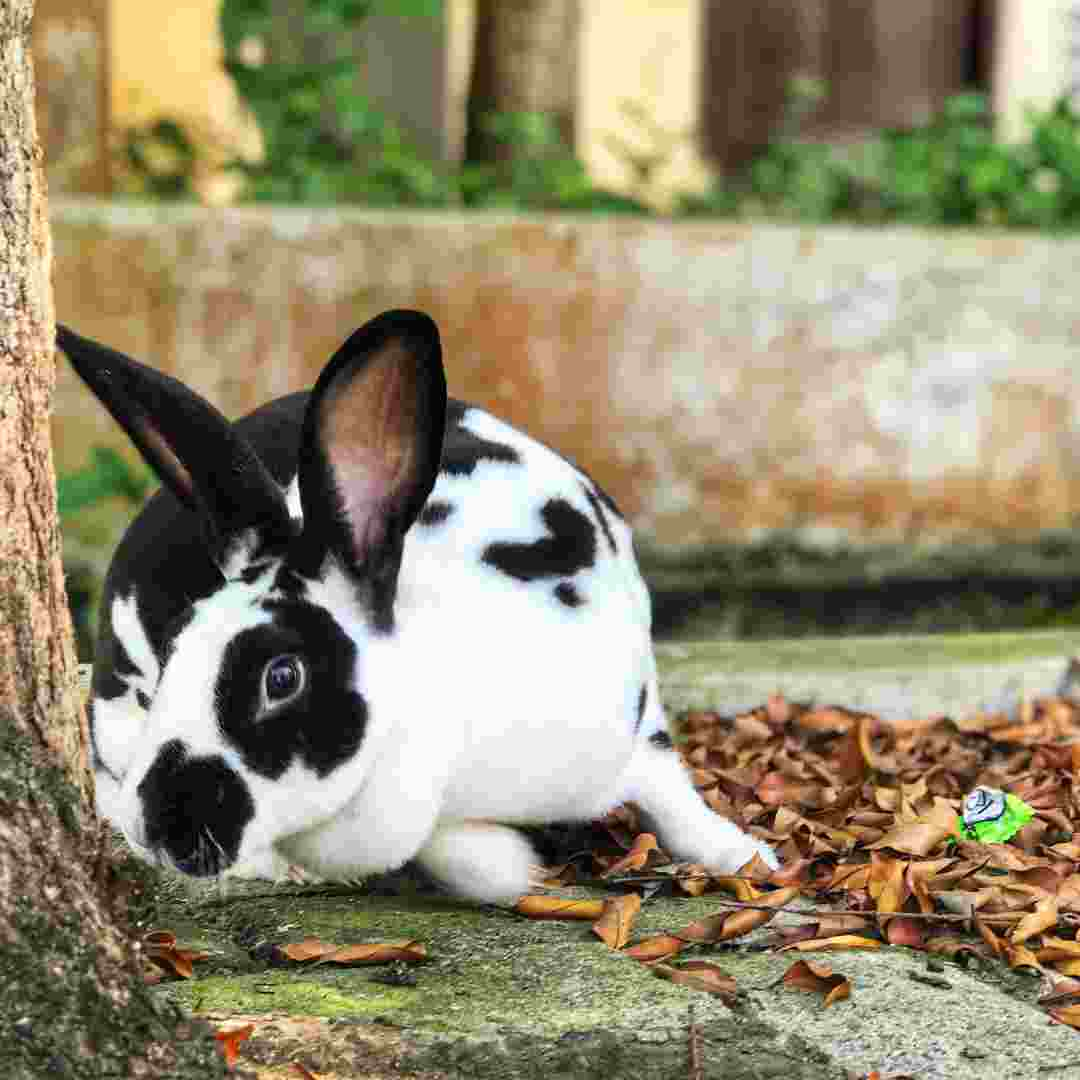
{"x": 863, "y": 814}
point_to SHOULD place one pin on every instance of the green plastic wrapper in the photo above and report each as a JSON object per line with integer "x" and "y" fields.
{"x": 992, "y": 816}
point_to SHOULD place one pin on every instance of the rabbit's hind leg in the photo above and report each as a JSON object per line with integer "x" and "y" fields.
{"x": 479, "y": 860}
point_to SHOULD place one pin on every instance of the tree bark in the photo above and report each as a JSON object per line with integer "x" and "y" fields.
{"x": 524, "y": 60}
{"x": 72, "y": 999}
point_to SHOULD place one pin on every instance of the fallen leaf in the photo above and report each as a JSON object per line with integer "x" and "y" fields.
{"x": 230, "y": 1041}
{"x": 160, "y": 947}
{"x": 1019, "y": 956}
{"x": 1068, "y": 1014}
{"x": 1042, "y": 918}
{"x": 817, "y": 978}
{"x": 613, "y": 926}
{"x": 1059, "y": 990}
{"x": 921, "y": 836}
{"x": 699, "y": 975}
{"x": 636, "y": 857}
{"x": 304, "y": 1071}
{"x": 843, "y": 941}
{"x": 378, "y": 952}
{"x": 656, "y": 948}
{"x": 559, "y": 907}
{"x": 308, "y": 949}
{"x": 909, "y": 932}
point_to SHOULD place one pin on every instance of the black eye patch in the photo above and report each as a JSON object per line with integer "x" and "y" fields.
{"x": 323, "y": 726}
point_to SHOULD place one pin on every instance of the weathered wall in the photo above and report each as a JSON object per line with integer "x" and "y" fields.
{"x": 722, "y": 380}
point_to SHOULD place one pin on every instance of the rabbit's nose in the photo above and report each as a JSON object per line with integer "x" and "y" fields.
{"x": 195, "y": 810}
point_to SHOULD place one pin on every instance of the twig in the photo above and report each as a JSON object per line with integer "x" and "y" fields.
{"x": 930, "y": 980}
{"x": 694, "y": 1047}
{"x": 814, "y": 913}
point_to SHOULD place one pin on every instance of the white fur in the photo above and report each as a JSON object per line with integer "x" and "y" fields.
{"x": 491, "y": 703}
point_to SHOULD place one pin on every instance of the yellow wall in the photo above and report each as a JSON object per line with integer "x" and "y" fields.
{"x": 643, "y": 53}
{"x": 1031, "y": 59}
{"x": 166, "y": 60}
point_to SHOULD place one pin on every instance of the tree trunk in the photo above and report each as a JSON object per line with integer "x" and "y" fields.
{"x": 524, "y": 60}
{"x": 72, "y": 1000}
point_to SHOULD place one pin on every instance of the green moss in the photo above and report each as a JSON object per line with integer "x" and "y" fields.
{"x": 59, "y": 1023}
{"x": 26, "y": 775}
{"x": 486, "y": 968}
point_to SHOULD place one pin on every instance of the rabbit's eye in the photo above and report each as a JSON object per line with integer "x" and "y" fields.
{"x": 283, "y": 679}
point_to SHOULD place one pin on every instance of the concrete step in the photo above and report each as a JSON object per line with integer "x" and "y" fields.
{"x": 893, "y": 677}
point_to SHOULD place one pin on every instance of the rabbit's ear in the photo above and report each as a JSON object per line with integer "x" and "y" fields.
{"x": 193, "y": 449}
{"x": 370, "y": 450}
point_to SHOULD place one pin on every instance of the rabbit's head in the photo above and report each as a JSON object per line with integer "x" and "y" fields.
{"x": 258, "y": 726}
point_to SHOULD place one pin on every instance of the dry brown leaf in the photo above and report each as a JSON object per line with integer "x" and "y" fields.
{"x": 989, "y": 937}
{"x": 739, "y": 887}
{"x": 159, "y": 946}
{"x": 921, "y": 836}
{"x": 1042, "y": 918}
{"x": 817, "y": 978}
{"x": 829, "y": 719}
{"x": 636, "y": 857}
{"x": 613, "y": 926}
{"x": 559, "y": 907}
{"x": 909, "y": 932}
{"x": 230, "y": 1041}
{"x": 1019, "y": 956}
{"x": 377, "y": 952}
{"x": 725, "y": 925}
{"x": 656, "y": 948}
{"x": 1068, "y": 1014}
{"x": 886, "y": 884}
{"x": 304, "y": 1071}
{"x": 1059, "y": 990}
{"x": 951, "y": 946}
{"x": 699, "y": 975}
{"x": 308, "y": 949}
{"x": 842, "y": 941}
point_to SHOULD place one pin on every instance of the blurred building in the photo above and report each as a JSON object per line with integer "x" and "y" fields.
{"x": 679, "y": 82}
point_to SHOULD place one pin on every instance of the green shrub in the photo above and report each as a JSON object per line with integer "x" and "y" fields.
{"x": 952, "y": 171}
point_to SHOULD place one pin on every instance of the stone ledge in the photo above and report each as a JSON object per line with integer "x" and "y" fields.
{"x": 895, "y": 677}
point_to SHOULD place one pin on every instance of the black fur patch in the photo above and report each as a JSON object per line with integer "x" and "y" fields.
{"x": 253, "y": 571}
{"x": 435, "y": 512}
{"x": 569, "y": 547}
{"x": 463, "y": 450}
{"x": 97, "y": 762}
{"x": 195, "y": 809}
{"x": 112, "y": 681}
{"x": 642, "y": 701}
{"x": 661, "y": 740}
{"x": 567, "y": 594}
{"x": 289, "y": 582}
{"x": 324, "y": 726}
{"x": 143, "y": 699}
{"x": 601, "y": 516}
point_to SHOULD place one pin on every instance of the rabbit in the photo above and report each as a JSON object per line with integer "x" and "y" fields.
{"x": 367, "y": 624}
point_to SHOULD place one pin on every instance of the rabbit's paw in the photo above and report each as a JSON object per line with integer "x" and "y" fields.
{"x": 481, "y": 861}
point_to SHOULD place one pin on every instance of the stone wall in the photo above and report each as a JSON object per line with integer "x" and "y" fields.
{"x": 723, "y": 381}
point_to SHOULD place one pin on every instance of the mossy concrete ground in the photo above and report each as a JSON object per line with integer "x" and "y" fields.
{"x": 502, "y": 996}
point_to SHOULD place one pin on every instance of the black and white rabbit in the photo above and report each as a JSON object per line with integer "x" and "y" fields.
{"x": 366, "y": 624}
